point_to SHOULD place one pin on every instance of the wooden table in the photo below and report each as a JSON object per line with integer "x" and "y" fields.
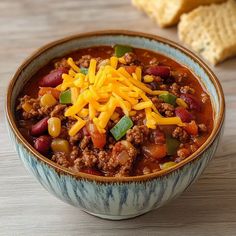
{"x": 207, "y": 208}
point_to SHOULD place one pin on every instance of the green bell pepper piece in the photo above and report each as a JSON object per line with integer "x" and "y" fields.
{"x": 172, "y": 145}
{"x": 120, "y": 50}
{"x": 168, "y": 98}
{"x": 65, "y": 97}
{"x": 83, "y": 70}
{"x": 120, "y": 129}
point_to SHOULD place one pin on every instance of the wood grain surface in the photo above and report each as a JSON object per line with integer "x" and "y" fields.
{"x": 206, "y": 208}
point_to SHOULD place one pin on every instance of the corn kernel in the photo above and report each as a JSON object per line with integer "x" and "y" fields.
{"x": 47, "y": 100}
{"x": 180, "y": 102}
{"x": 54, "y": 126}
{"x": 27, "y": 107}
{"x": 60, "y": 145}
{"x": 167, "y": 165}
{"x": 148, "y": 78}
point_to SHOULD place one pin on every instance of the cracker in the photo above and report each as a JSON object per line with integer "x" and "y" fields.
{"x": 168, "y": 12}
{"x": 211, "y": 31}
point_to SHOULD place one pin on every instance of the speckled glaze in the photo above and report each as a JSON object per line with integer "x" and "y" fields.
{"x": 126, "y": 197}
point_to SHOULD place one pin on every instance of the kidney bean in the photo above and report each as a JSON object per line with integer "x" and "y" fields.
{"x": 53, "y": 79}
{"x": 162, "y": 71}
{"x": 92, "y": 172}
{"x": 183, "y": 114}
{"x": 191, "y": 101}
{"x": 40, "y": 127}
{"x": 42, "y": 144}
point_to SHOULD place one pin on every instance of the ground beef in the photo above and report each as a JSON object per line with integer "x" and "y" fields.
{"x": 37, "y": 111}
{"x": 76, "y": 138}
{"x": 193, "y": 147}
{"x": 74, "y": 153}
{"x": 84, "y": 61}
{"x": 179, "y": 76}
{"x": 45, "y": 111}
{"x": 31, "y": 101}
{"x": 61, "y": 158}
{"x": 164, "y": 87}
{"x": 187, "y": 89}
{"x": 138, "y": 118}
{"x": 58, "y": 111}
{"x": 183, "y": 153}
{"x": 130, "y": 58}
{"x": 89, "y": 158}
{"x": 202, "y": 128}
{"x": 122, "y": 158}
{"x": 138, "y": 134}
{"x": 61, "y": 64}
{"x": 156, "y": 101}
{"x": 84, "y": 142}
{"x": 103, "y": 159}
{"x": 70, "y": 122}
{"x": 166, "y": 109}
{"x": 181, "y": 134}
{"x": 63, "y": 133}
{"x": 174, "y": 89}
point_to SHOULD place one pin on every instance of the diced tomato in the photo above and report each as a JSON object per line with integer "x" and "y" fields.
{"x": 55, "y": 93}
{"x": 130, "y": 69}
{"x": 98, "y": 139}
{"x": 191, "y": 128}
{"x": 155, "y": 151}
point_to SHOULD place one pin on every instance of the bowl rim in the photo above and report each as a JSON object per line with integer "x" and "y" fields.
{"x": 140, "y": 178}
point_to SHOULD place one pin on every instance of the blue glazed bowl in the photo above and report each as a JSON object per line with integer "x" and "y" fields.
{"x": 111, "y": 197}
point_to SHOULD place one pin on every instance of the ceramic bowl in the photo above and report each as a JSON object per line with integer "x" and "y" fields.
{"x": 111, "y": 197}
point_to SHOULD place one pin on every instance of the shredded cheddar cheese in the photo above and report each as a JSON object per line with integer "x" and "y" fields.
{"x": 77, "y": 126}
{"x": 72, "y": 64}
{"x": 96, "y": 96}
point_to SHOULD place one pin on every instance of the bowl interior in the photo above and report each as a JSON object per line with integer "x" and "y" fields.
{"x": 153, "y": 43}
